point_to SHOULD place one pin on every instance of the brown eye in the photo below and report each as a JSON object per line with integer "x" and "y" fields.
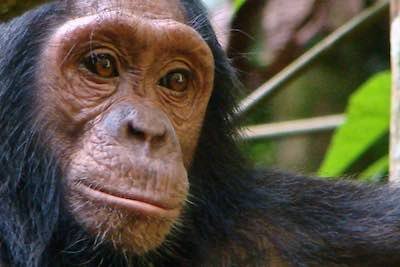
{"x": 177, "y": 80}
{"x": 101, "y": 64}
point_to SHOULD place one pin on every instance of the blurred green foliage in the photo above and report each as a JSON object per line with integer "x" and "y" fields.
{"x": 368, "y": 116}
{"x": 239, "y": 3}
{"x": 321, "y": 90}
{"x": 377, "y": 171}
{"x": 358, "y": 149}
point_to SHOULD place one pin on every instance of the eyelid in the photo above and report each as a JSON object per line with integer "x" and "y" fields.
{"x": 178, "y": 65}
{"x": 81, "y": 50}
{"x": 102, "y": 50}
{"x": 188, "y": 72}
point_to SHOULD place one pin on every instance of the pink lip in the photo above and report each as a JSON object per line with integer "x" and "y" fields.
{"x": 138, "y": 205}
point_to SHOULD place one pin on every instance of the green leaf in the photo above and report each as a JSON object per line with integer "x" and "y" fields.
{"x": 238, "y": 4}
{"x": 367, "y": 120}
{"x": 376, "y": 171}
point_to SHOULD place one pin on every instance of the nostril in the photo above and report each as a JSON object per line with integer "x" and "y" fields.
{"x": 160, "y": 138}
{"x": 154, "y": 134}
{"x": 136, "y": 132}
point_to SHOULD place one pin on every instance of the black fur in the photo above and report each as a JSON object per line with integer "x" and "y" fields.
{"x": 310, "y": 222}
{"x": 29, "y": 191}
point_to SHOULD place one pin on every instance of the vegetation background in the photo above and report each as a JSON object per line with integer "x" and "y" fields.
{"x": 264, "y": 36}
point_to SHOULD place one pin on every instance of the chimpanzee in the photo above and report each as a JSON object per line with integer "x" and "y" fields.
{"x": 117, "y": 148}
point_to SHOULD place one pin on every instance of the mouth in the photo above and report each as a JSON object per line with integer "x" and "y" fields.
{"x": 136, "y": 204}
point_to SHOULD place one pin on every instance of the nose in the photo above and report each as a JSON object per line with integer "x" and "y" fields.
{"x": 145, "y": 128}
{"x": 141, "y": 128}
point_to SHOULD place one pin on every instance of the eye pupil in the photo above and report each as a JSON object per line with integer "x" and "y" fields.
{"x": 103, "y": 65}
{"x": 177, "y": 80}
{"x": 106, "y": 63}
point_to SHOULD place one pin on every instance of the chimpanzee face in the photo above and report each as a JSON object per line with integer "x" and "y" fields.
{"x": 124, "y": 97}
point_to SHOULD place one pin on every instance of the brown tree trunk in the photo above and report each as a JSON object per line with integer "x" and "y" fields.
{"x": 12, "y": 8}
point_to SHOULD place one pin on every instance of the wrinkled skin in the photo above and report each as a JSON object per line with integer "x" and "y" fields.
{"x": 124, "y": 140}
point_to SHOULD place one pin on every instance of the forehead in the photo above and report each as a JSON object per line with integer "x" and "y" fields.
{"x": 153, "y": 9}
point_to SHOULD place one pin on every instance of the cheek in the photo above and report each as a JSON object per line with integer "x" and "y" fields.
{"x": 82, "y": 92}
{"x": 188, "y": 130}
{"x": 188, "y": 138}
{"x": 66, "y": 101}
